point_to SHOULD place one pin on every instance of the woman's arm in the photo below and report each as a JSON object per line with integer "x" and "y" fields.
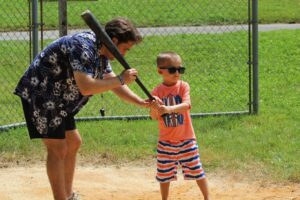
{"x": 88, "y": 85}
{"x": 125, "y": 93}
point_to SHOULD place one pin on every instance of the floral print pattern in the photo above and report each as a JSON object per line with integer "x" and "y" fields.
{"x": 49, "y": 86}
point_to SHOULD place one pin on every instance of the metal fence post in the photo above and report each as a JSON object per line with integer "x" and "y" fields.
{"x": 63, "y": 22}
{"x": 255, "y": 55}
{"x": 35, "y": 29}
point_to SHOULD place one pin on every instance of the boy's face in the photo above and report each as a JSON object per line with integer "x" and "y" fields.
{"x": 170, "y": 70}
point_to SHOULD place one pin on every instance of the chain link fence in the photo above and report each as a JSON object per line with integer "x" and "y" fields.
{"x": 213, "y": 38}
{"x": 15, "y": 56}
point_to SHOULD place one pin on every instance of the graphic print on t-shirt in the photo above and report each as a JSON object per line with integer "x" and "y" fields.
{"x": 172, "y": 119}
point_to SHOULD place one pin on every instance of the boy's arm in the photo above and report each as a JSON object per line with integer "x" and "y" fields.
{"x": 153, "y": 114}
{"x": 175, "y": 108}
{"x": 182, "y": 107}
{"x": 154, "y": 106}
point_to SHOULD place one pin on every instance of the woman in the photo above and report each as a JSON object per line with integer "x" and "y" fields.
{"x": 60, "y": 81}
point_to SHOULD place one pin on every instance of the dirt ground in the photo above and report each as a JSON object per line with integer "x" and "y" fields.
{"x": 131, "y": 182}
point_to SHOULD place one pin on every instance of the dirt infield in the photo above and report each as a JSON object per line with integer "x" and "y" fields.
{"x": 135, "y": 183}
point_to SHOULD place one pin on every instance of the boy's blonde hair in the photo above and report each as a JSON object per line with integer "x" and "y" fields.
{"x": 166, "y": 56}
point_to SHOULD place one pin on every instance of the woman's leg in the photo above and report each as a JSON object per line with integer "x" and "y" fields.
{"x": 73, "y": 141}
{"x": 57, "y": 151}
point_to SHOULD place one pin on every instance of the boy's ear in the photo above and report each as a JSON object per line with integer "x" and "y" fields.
{"x": 160, "y": 72}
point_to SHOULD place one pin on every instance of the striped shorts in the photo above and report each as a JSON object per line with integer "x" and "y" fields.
{"x": 172, "y": 154}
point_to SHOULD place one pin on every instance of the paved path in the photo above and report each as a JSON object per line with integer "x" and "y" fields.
{"x": 162, "y": 30}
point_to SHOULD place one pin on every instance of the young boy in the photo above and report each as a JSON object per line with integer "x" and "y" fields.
{"x": 177, "y": 142}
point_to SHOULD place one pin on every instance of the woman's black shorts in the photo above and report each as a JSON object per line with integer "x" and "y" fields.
{"x": 68, "y": 123}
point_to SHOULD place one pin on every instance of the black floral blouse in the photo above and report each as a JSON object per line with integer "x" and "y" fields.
{"x": 49, "y": 86}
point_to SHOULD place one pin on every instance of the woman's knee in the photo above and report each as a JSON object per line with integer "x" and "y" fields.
{"x": 74, "y": 140}
{"x": 56, "y": 148}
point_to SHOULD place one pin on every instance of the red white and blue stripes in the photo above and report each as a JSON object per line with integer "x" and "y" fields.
{"x": 172, "y": 154}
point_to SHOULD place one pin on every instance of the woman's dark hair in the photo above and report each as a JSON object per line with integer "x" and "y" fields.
{"x": 123, "y": 29}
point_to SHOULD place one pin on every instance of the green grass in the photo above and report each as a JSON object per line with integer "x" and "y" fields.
{"x": 264, "y": 146}
{"x": 280, "y": 11}
{"x": 154, "y": 12}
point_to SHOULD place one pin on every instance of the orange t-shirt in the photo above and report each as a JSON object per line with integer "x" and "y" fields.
{"x": 175, "y": 126}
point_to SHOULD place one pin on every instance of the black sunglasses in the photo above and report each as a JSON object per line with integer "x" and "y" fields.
{"x": 172, "y": 70}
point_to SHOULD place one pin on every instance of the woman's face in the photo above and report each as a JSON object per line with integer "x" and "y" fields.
{"x": 123, "y": 48}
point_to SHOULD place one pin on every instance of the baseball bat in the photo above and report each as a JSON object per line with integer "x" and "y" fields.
{"x": 103, "y": 37}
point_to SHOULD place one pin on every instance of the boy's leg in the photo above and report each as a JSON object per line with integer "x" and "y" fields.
{"x": 192, "y": 166}
{"x": 166, "y": 167}
{"x": 73, "y": 141}
{"x": 57, "y": 151}
{"x": 203, "y": 185}
{"x": 164, "y": 190}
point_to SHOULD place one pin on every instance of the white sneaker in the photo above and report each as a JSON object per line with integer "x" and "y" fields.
{"x": 74, "y": 196}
